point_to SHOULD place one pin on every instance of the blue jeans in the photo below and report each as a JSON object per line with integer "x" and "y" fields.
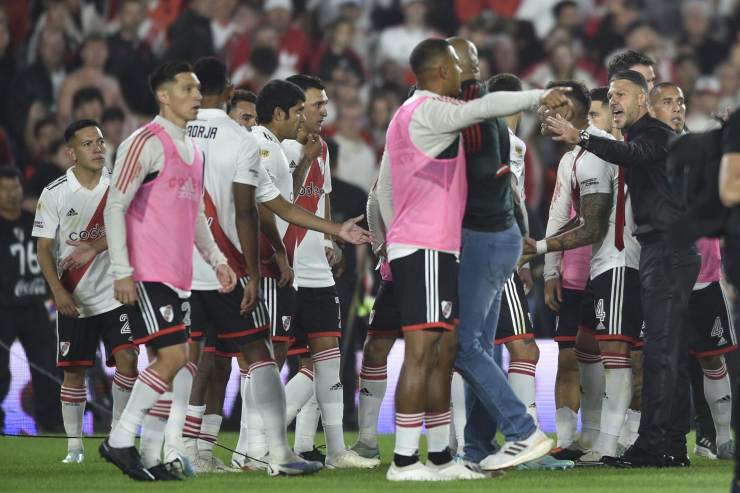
{"x": 487, "y": 260}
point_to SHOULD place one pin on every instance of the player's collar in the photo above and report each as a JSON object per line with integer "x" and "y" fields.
{"x": 173, "y": 130}
{"x": 211, "y": 113}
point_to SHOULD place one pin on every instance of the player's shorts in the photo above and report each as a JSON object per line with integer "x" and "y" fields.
{"x": 222, "y": 310}
{"x": 200, "y": 323}
{"x": 617, "y": 305}
{"x": 160, "y": 317}
{"x": 79, "y": 338}
{"x": 514, "y": 320}
{"x": 385, "y": 317}
{"x": 281, "y": 309}
{"x": 318, "y": 314}
{"x": 425, "y": 288}
{"x": 576, "y": 312}
{"x": 711, "y": 332}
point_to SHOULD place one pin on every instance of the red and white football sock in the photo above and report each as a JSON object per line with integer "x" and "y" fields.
{"x": 73, "y": 411}
{"x": 373, "y": 384}
{"x": 147, "y": 390}
{"x": 521, "y": 380}
{"x": 329, "y": 394}
{"x": 121, "y": 390}
{"x": 718, "y": 392}
{"x": 152, "y": 431}
{"x": 616, "y": 400}
{"x": 191, "y": 431}
{"x": 298, "y": 391}
{"x": 592, "y": 393}
{"x": 181, "y": 387}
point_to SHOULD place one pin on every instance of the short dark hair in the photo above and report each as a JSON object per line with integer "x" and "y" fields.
{"x": 47, "y": 120}
{"x": 600, "y": 94}
{"x": 212, "y": 74}
{"x": 94, "y": 37}
{"x": 277, "y": 94}
{"x": 658, "y": 88}
{"x": 10, "y": 171}
{"x": 558, "y": 8}
{"x": 579, "y": 93}
{"x": 427, "y": 51}
{"x": 626, "y": 60}
{"x": 72, "y": 128}
{"x": 167, "y": 72}
{"x": 306, "y": 82}
{"x": 637, "y": 24}
{"x": 239, "y": 96}
{"x": 112, "y": 113}
{"x": 86, "y": 95}
{"x": 504, "y": 82}
{"x": 632, "y": 76}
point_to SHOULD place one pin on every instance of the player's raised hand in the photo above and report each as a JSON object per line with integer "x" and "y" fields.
{"x": 553, "y": 294}
{"x": 562, "y": 130}
{"x": 352, "y": 233}
{"x": 286, "y": 272}
{"x": 83, "y": 253}
{"x": 312, "y": 147}
{"x": 556, "y": 97}
{"x": 530, "y": 247}
{"x": 124, "y": 290}
{"x": 251, "y": 296}
{"x": 66, "y": 304}
{"x": 226, "y": 277}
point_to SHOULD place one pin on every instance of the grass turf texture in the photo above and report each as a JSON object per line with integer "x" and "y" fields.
{"x": 34, "y": 464}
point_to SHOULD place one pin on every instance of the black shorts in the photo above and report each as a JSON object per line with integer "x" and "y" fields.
{"x": 78, "y": 339}
{"x": 385, "y": 317}
{"x": 576, "y": 312}
{"x": 711, "y": 332}
{"x": 281, "y": 308}
{"x": 200, "y": 323}
{"x": 617, "y": 305}
{"x": 425, "y": 288}
{"x": 222, "y": 310}
{"x": 514, "y": 320}
{"x": 160, "y": 317}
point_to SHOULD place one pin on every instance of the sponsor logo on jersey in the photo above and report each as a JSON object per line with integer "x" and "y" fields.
{"x": 64, "y": 348}
{"x": 264, "y": 153}
{"x": 71, "y": 212}
{"x": 287, "y": 319}
{"x": 311, "y": 190}
{"x": 717, "y": 329}
{"x": 446, "y": 309}
{"x": 97, "y": 231}
{"x": 185, "y": 188}
{"x": 126, "y": 327}
{"x": 38, "y": 224}
{"x": 168, "y": 314}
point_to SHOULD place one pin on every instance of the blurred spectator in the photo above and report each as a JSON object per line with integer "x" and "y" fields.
{"x": 190, "y": 36}
{"x": 470, "y": 9}
{"x": 243, "y": 20}
{"x": 606, "y": 34}
{"x": 45, "y": 131}
{"x": 686, "y": 71}
{"x": 264, "y": 62}
{"x": 528, "y": 46}
{"x": 54, "y": 166}
{"x": 7, "y": 68}
{"x": 112, "y": 126}
{"x": 88, "y": 104}
{"x": 94, "y": 55}
{"x": 704, "y": 105}
{"x": 243, "y": 108}
{"x": 504, "y": 58}
{"x": 295, "y": 46}
{"x": 729, "y": 86}
{"x": 336, "y": 52}
{"x": 395, "y": 43}
{"x": 35, "y": 90}
{"x": 357, "y": 163}
{"x": 697, "y": 26}
{"x": 130, "y": 58}
{"x": 560, "y": 65}
{"x": 382, "y": 107}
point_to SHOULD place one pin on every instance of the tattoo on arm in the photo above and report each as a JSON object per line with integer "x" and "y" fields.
{"x": 595, "y": 209}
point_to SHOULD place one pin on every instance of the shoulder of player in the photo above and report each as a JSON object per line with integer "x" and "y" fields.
{"x": 138, "y": 141}
{"x": 55, "y": 185}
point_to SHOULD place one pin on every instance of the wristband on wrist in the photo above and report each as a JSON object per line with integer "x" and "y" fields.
{"x": 541, "y": 247}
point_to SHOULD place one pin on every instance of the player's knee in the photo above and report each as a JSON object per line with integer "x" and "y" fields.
{"x": 74, "y": 376}
{"x": 586, "y": 342}
{"x": 375, "y": 352}
{"x": 614, "y": 347}
{"x": 126, "y": 360}
{"x": 222, "y": 365}
{"x": 567, "y": 360}
{"x": 711, "y": 362}
{"x": 524, "y": 349}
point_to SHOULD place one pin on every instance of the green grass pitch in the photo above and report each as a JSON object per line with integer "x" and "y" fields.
{"x": 33, "y": 464}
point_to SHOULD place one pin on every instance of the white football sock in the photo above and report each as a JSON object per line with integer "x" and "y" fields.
{"x": 592, "y": 393}
{"x": 121, "y": 390}
{"x": 181, "y": 387}
{"x": 329, "y": 394}
{"x": 269, "y": 394}
{"x": 208, "y": 435}
{"x": 298, "y": 392}
{"x": 305, "y": 426}
{"x": 73, "y": 411}
{"x": 373, "y": 383}
{"x": 191, "y": 431}
{"x": 438, "y": 430}
{"x": 241, "y": 444}
{"x": 459, "y": 416}
{"x": 408, "y": 433}
{"x": 152, "y": 431}
{"x": 566, "y": 424}
{"x": 521, "y": 380}
{"x": 718, "y": 392}
{"x": 256, "y": 438}
{"x": 148, "y": 388}
{"x": 616, "y": 400}
{"x": 630, "y": 428}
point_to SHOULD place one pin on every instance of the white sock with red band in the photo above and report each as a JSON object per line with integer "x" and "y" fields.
{"x": 121, "y": 390}
{"x": 718, "y": 392}
{"x": 147, "y": 390}
{"x": 73, "y": 411}
{"x": 521, "y": 380}
{"x": 373, "y": 383}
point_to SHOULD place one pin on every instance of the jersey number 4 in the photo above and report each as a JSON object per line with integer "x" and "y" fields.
{"x": 600, "y": 313}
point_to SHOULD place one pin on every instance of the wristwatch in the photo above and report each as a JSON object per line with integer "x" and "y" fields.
{"x": 583, "y": 137}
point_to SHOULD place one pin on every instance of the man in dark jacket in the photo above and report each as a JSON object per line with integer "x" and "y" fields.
{"x": 667, "y": 274}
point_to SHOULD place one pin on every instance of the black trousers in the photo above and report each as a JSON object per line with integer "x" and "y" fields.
{"x": 667, "y": 276}
{"x": 31, "y": 326}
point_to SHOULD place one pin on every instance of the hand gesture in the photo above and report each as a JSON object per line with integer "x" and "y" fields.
{"x": 81, "y": 255}
{"x": 352, "y": 233}
{"x": 312, "y": 147}
{"x": 556, "y": 98}
{"x": 226, "y": 277}
{"x": 562, "y": 130}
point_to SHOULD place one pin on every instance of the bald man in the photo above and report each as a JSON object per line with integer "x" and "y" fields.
{"x": 422, "y": 190}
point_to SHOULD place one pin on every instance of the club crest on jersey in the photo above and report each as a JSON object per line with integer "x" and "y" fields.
{"x": 168, "y": 314}
{"x": 287, "y": 319}
{"x": 64, "y": 348}
{"x": 125, "y": 327}
{"x": 446, "y": 309}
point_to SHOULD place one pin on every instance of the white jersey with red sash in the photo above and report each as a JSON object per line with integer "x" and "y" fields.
{"x": 68, "y": 211}
{"x": 311, "y": 267}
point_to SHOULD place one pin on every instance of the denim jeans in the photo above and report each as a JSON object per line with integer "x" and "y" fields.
{"x": 487, "y": 260}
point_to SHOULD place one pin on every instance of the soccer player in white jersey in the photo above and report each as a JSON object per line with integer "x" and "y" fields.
{"x": 604, "y": 220}
{"x": 70, "y": 213}
{"x": 280, "y": 107}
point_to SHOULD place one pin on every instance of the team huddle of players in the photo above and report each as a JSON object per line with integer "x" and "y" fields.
{"x": 209, "y": 240}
